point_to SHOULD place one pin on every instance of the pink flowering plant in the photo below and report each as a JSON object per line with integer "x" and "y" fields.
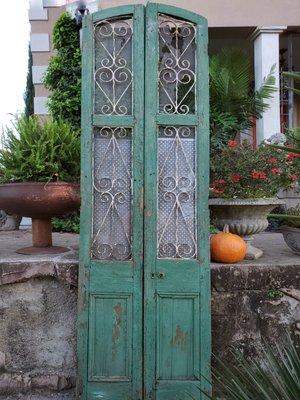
{"x": 239, "y": 171}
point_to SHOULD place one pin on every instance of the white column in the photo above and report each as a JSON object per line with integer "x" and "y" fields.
{"x": 266, "y": 54}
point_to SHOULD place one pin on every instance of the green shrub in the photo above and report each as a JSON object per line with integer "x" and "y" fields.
{"x": 63, "y": 76}
{"x": 40, "y": 151}
{"x": 66, "y": 224}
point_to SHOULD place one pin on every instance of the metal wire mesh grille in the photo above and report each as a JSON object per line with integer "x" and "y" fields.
{"x": 177, "y": 65}
{"x": 176, "y": 217}
{"x": 112, "y": 183}
{"x": 113, "y": 67}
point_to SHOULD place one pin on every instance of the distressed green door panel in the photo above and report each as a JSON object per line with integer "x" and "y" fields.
{"x": 177, "y": 281}
{"x": 178, "y": 337}
{"x": 144, "y": 318}
{"x": 111, "y": 240}
{"x": 110, "y": 355}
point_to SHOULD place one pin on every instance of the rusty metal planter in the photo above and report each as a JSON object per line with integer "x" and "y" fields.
{"x": 40, "y": 201}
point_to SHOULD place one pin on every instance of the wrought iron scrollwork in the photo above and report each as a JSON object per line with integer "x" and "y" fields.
{"x": 113, "y": 67}
{"x": 177, "y": 63}
{"x": 176, "y": 221}
{"x": 112, "y": 194}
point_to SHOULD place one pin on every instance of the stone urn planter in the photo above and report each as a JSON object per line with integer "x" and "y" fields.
{"x": 41, "y": 202}
{"x": 245, "y": 217}
{"x": 291, "y": 228}
{"x": 291, "y": 236}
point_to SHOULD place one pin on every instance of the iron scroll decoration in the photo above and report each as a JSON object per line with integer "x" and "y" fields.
{"x": 176, "y": 185}
{"x": 112, "y": 175}
{"x": 177, "y": 65}
{"x": 112, "y": 193}
{"x": 113, "y": 67}
{"x": 176, "y": 225}
{"x": 176, "y": 158}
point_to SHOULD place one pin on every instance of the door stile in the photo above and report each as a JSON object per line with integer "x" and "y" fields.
{"x": 111, "y": 283}
{"x": 150, "y": 315}
{"x": 138, "y": 195}
{"x": 181, "y": 280}
{"x": 86, "y": 206}
{"x": 202, "y": 204}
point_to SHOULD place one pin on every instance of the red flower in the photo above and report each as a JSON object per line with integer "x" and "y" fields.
{"x": 272, "y": 160}
{"x": 275, "y": 171}
{"x": 291, "y": 156}
{"x": 258, "y": 175}
{"x": 218, "y": 190}
{"x": 232, "y": 144}
{"x": 294, "y": 177}
{"x": 236, "y": 177}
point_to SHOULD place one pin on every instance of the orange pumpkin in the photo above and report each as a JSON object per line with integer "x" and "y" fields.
{"x": 226, "y": 247}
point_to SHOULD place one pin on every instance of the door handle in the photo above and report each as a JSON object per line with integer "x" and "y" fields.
{"x": 159, "y": 275}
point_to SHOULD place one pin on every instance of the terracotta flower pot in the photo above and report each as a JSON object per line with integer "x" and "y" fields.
{"x": 245, "y": 217}
{"x": 40, "y": 201}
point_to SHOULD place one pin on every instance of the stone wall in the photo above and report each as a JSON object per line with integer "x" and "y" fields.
{"x": 251, "y": 303}
{"x": 37, "y": 332}
{"x": 38, "y": 313}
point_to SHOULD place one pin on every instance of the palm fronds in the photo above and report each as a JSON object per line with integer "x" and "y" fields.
{"x": 232, "y": 94}
{"x": 265, "y": 92}
{"x": 296, "y": 77}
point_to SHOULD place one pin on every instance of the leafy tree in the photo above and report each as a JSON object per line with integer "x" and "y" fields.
{"x": 63, "y": 76}
{"x": 29, "y": 92}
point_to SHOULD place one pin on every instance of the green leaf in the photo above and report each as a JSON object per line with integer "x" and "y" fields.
{"x": 276, "y": 376}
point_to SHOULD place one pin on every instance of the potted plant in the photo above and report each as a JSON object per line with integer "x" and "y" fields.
{"x": 291, "y": 227}
{"x": 291, "y": 217}
{"x": 244, "y": 184}
{"x": 39, "y": 175}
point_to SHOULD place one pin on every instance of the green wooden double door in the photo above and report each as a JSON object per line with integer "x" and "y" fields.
{"x": 144, "y": 298}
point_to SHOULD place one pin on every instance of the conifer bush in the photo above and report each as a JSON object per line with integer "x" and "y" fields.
{"x": 63, "y": 76}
